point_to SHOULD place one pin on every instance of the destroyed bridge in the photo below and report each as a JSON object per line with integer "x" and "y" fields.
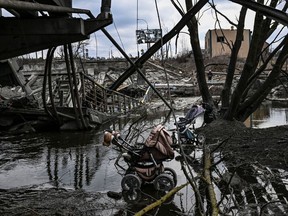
{"x": 71, "y": 97}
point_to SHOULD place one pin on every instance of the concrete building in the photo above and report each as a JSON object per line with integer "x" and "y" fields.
{"x": 217, "y": 42}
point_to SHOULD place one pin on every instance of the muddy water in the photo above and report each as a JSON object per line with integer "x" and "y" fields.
{"x": 61, "y": 159}
{"x": 78, "y": 160}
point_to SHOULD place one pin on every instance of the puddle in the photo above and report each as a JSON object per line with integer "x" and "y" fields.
{"x": 269, "y": 114}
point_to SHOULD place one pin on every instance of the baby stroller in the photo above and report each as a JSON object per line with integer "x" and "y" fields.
{"x": 145, "y": 162}
{"x": 186, "y": 134}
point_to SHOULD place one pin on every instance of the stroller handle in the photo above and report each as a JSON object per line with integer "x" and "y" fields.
{"x": 113, "y": 137}
{"x": 109, "y": 136}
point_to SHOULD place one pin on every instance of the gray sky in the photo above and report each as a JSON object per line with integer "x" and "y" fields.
{"x": 125, "y": 21}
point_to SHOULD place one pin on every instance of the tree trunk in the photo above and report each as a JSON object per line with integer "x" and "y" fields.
{"x": 249, "y": 67}
{"x": 226, "y": 92}
{"x": 253, "y": 102}
{"x": 198, "y": 57}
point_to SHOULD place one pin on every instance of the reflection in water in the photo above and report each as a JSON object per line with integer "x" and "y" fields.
{"x": 49, "y": 164}
{"x": 69, "y": 159}
{"x": 64, "y": 158}
{"x": 269, "y": 114}
{"x": 79, "y": 160}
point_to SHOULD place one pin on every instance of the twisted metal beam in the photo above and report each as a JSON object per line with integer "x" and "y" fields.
{"x": 20, "y": 5}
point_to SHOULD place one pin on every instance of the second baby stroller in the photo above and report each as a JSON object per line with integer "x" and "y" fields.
{"x": 145, "y": 163}
{"x": 187, "y": 135}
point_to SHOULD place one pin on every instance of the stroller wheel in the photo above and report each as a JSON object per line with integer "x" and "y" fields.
{"x": 169, "y": 171}
{"x": 130, "y": 182}
{"x": 163, "y": 182}
{"x": 201, "y": 139}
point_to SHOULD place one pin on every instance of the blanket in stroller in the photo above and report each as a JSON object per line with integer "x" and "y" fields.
{"x": 159, "y": 144}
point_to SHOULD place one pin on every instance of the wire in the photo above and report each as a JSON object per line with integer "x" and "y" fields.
{"x": 119, "y": 36}
{"x": 137, "y": 30}
{"x": 96, "y": 46}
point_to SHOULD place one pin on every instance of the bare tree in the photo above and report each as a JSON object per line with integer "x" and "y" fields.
{"x": 195, "y": 43}
{"x": 242, "y": 101}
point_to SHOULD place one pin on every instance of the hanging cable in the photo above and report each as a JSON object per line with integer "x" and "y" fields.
{"x": 162, "y": 61}
{"x": 192, "y": 183}
{"x": 133, "y": 65}
{"x": 96, "y": 46}
{"x": 137, "y": 30}
{"x": 119, "y": 36}
{"x": 160, "y": 26}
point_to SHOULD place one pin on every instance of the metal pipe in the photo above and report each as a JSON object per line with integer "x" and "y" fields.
{"x": 76, "y": 93}
{"x": 14, "y": 13}
{"x": 68, "y": 67}
{"x": 50, "y": 86}
{"x": 20, "y": 5}
{"x": 45, "y": 82}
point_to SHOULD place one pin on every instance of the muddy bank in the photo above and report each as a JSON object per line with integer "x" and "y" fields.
{"x": 37, "y": 201}
{"x": 267, "y": 146}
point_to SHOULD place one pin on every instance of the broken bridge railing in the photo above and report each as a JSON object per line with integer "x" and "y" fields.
{"x": 92, "y": 97}
{"x": 96, "y": 97}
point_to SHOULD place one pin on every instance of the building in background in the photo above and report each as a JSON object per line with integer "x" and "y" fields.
{"x": 219, "y": 41}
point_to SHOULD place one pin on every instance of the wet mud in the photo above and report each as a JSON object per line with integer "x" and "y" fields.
{"x": 37, "y": 201}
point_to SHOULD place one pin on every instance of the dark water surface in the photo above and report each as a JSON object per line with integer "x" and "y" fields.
{"x": 78, "y": 160}
{"x": 70, "y": 159}
{"x": 74, "y": 160}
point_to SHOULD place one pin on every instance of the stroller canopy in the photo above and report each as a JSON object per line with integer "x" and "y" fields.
{"x": 194, "y": 111}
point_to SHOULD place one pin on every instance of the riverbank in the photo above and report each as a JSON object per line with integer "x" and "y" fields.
{"x": 266, "y": 146}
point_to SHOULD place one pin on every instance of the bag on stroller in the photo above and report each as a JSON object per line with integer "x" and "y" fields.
{"x": 159, "y": 144}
